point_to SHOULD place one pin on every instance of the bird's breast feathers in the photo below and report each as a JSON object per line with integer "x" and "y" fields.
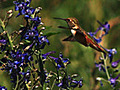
{"x": 73, "y": 32}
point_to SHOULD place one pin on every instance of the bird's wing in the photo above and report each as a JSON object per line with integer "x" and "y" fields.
{"x": 70, "y": 38}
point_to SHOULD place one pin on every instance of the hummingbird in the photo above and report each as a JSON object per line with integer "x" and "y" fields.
{"x": 80, "y": 35}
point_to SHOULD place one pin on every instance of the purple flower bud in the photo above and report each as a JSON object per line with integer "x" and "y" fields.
{"x": 61, "y": 62}
{"x": 3, "y": 88}
{"x": 100, "y": 66}
{"x": 44, "y": 56}
{"x": 3, "y": 41}
{"x": 115, "y": 64}
{"x": 113, "y": 81}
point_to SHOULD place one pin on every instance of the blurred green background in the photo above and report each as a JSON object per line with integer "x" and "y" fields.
{"x": 87, "y": 12}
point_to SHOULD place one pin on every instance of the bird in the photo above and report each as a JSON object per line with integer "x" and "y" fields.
{"x": 80, "y": 35}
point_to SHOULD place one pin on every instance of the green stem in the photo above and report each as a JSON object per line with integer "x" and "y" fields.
{"x": 16, "y": 87}
{"x": 105, "y": 63}
{"x": 53, "y": 84}
{"x": 4, "y": 29}
{"x": 42, "y": 71}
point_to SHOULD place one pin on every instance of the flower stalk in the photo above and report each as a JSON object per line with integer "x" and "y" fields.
{"x": 4, "y": 29}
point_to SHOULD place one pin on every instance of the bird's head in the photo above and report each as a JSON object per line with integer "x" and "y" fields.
{"x": 72, "y": 22}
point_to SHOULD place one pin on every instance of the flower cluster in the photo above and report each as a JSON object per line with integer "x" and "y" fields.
{"x": 113, "y": 81}
{"x": 104, "y": 27}
{"x": 23, "y": 8}
{"x": 69, "y": 81}
{"x": 24, "y": 61}
{"x": 60, "y": 61}
{"x": 3, "y": 42}
{"x": 16, "y": 63}
{"x": 63, "y": 80}
{"x": 102, "y": 65}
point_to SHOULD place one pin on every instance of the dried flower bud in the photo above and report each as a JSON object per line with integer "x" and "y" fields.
{"x": 41, "y": 33}
{"x": 38, "y": 9}
{"x": 29, "y": 82}
{"x": 10, "y": 11}
{"x": 74, "y": 75}
{"x": 41, "y": 23}
{"x": 10, "y": 15}
{"x": 43, "y": 28}
{"x": 101, "y": 58}
{"x": 47, "y": 88}
{"x": 21, "y": 43}
{"x": 36, "y": 86}
{"x": 99, "y": 78}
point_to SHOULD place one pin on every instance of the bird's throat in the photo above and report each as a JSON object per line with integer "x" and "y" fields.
{"x": 73, "y": 32}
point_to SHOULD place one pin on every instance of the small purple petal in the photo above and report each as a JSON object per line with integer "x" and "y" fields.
{"x": 53, "y": 58}
{"x": 115, "y": 64}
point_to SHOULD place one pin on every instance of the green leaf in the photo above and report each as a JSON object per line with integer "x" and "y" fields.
{"x": 48, "y": 27}
{"x": 27, "y": 41}
{"x": 52, "y": 33}
{"x": 1, "y": 22}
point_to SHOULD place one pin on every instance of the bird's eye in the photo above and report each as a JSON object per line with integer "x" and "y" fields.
{"x": 68, "y": 19}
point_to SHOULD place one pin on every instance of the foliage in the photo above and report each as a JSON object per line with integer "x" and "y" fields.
{"x": 21, "y": 60}
{"x": 27, "y": 63}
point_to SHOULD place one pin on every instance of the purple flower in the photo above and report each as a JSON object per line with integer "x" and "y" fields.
{"x": 37, "y": 21}
{"x": 115, "y": 64}
{"x": 101, "y": 83}
{"x": 15, "y": 64}
{"x": 104, "y": 27}
{"x": 113, "y": 81}
{"x": 33, "y": 37}
{"x": 44, "y": 56}
{"x": 26, "y": 75}
{"x": 17, "y": 60}
{"x": 23, "y": 8}
{"x": 69, "y": 81}
{"x": 3, "y": 88}
{"x": 107, "y": 27}
{"x": 31, "y": 34}
{"x": 111, "y": 53}
{"x": 60, "y": 61}
{"x": 75, "y": 83}
{"x": 3, "y": 41}
{"x": 43, "y": 39}
{"x": 64, "y": 83}
{"x": 100, "y": 65}
{"x": 40, "y": 42}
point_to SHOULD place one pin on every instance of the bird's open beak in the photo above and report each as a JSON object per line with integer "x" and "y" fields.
{"x": 61, "y": 18}
{"x": 62, "y": 26}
